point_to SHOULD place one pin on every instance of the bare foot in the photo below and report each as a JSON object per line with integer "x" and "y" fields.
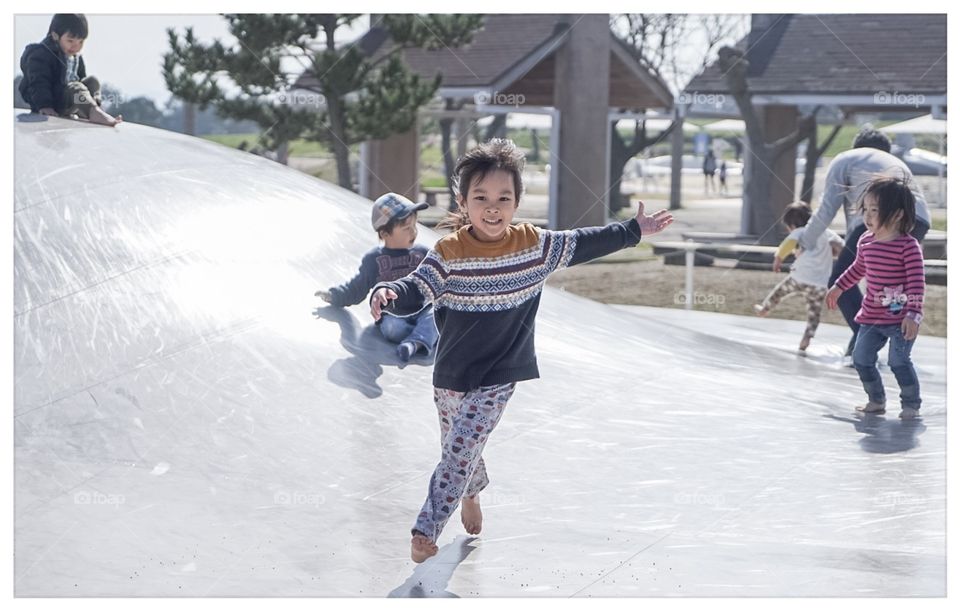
{"x": 422, "y": 548}
{"x": 760, "y": 310}
{"x": 470, "y": 515}
{"x": 97, "y": 115}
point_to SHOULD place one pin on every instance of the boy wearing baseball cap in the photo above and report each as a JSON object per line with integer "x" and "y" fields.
{"x": 394, "y": 218}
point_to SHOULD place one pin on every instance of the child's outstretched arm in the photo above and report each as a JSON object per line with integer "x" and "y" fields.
{"x": 354, "y": 290}
{"x": 588, "y": 243}
{"x": 654, "y": 223}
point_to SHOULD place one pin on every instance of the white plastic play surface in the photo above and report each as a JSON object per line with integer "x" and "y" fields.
{"x": 186, "y": 425}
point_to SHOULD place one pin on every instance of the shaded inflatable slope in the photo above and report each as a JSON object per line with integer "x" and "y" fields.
{"x": 184, "y": 424}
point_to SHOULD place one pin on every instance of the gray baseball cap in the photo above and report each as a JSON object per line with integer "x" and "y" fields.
{"x": 393, "y": 206}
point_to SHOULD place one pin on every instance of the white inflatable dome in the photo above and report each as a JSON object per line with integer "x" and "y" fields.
{"x": 185, "y": 424}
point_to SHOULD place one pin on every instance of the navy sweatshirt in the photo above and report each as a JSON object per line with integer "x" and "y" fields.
{"x": 380, "y": 264}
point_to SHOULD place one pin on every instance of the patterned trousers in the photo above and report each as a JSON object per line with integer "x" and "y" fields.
{"x": 466, "y": 421}
{"x": 813, "y": 294}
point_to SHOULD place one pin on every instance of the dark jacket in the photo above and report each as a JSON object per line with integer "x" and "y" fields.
{"x": 44, "y": 68}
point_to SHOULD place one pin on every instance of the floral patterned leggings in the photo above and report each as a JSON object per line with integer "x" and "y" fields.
{"x": 812, "y": 294}
{"x": 466, "y": 421}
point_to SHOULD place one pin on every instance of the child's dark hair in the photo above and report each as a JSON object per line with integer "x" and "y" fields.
{"x": 392, "y": 224}
{"x": 892, "y": 194}
{"x": 868, "y": 137}
{"x": 497, "y": 154}
{"x": 797, "y": 214}
{"x": 69, "y": 23}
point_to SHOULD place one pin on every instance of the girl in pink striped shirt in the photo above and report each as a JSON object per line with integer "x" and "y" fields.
{"x": 892, "y": 262}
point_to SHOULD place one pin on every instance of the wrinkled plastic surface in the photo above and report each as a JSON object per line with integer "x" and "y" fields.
{"x": 186, "y": 425}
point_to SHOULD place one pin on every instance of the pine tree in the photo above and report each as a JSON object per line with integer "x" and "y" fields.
{"x": 356, "y": 97}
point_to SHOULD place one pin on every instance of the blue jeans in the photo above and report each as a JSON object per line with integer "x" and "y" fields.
{"x": 851, "y": 299}
{"x": 419, "y": 327}
{"x": 870, "y": 340}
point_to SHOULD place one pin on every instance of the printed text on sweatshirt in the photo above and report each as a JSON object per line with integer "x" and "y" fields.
{"x": 379, "y": 265}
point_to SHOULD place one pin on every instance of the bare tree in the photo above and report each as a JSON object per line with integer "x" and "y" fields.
{"x": 761, "y": 214}
{"x": 813, "y": 155}
{"x": 660, "y": 43}
{"x": 446, "y": 141}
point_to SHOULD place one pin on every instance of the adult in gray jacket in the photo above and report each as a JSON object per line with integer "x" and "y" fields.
{"x": 847, "y": 177}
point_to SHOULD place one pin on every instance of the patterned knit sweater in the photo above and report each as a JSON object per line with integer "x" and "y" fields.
{"x": 895, "y": 281}
{"x": 486, "y": 296}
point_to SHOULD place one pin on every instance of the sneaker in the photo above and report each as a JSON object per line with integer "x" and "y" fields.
{"x": 872, "y": 408}
{"x": 909, "y": 413}
{"x": 760, "y": 310}
{"x": 406, "y": 350}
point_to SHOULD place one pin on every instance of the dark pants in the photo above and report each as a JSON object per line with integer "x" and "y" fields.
{"x": 80, "y": 97}
{"x": 851, "y": 299}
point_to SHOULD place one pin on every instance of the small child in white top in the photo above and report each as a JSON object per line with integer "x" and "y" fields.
{"x": 809, "y": 273}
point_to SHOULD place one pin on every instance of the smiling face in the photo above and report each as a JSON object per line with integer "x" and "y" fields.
{"x": 69, "y": 43}
{"x": 490, "y": 204}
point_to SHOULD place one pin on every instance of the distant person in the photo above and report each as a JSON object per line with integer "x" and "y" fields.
{"x": 723, "y": 177}
{"x": 847, "y": 178}
{"x": 737, "y": 149}
{"x": 892, "y": 262}
{"x": 395, "y": 221}
{"x": 485, "y": 280}
{"x": 809, "y": 272}
{"x": 709, "y": 169}
{"x": 55, "y": 81}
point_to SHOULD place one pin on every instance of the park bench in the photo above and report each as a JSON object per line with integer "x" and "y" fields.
{"x": 430, "y": 194}
{"x": 703, "y": 253}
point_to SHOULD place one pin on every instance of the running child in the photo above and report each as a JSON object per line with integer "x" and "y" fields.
{"x": 808, "y": 274}
{"x": 485, "y": 280}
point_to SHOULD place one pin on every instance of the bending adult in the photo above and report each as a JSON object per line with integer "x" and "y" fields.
{"x": 846, "y": 180}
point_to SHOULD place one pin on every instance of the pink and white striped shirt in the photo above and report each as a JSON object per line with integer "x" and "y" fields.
{"x": 895, "y": 281}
